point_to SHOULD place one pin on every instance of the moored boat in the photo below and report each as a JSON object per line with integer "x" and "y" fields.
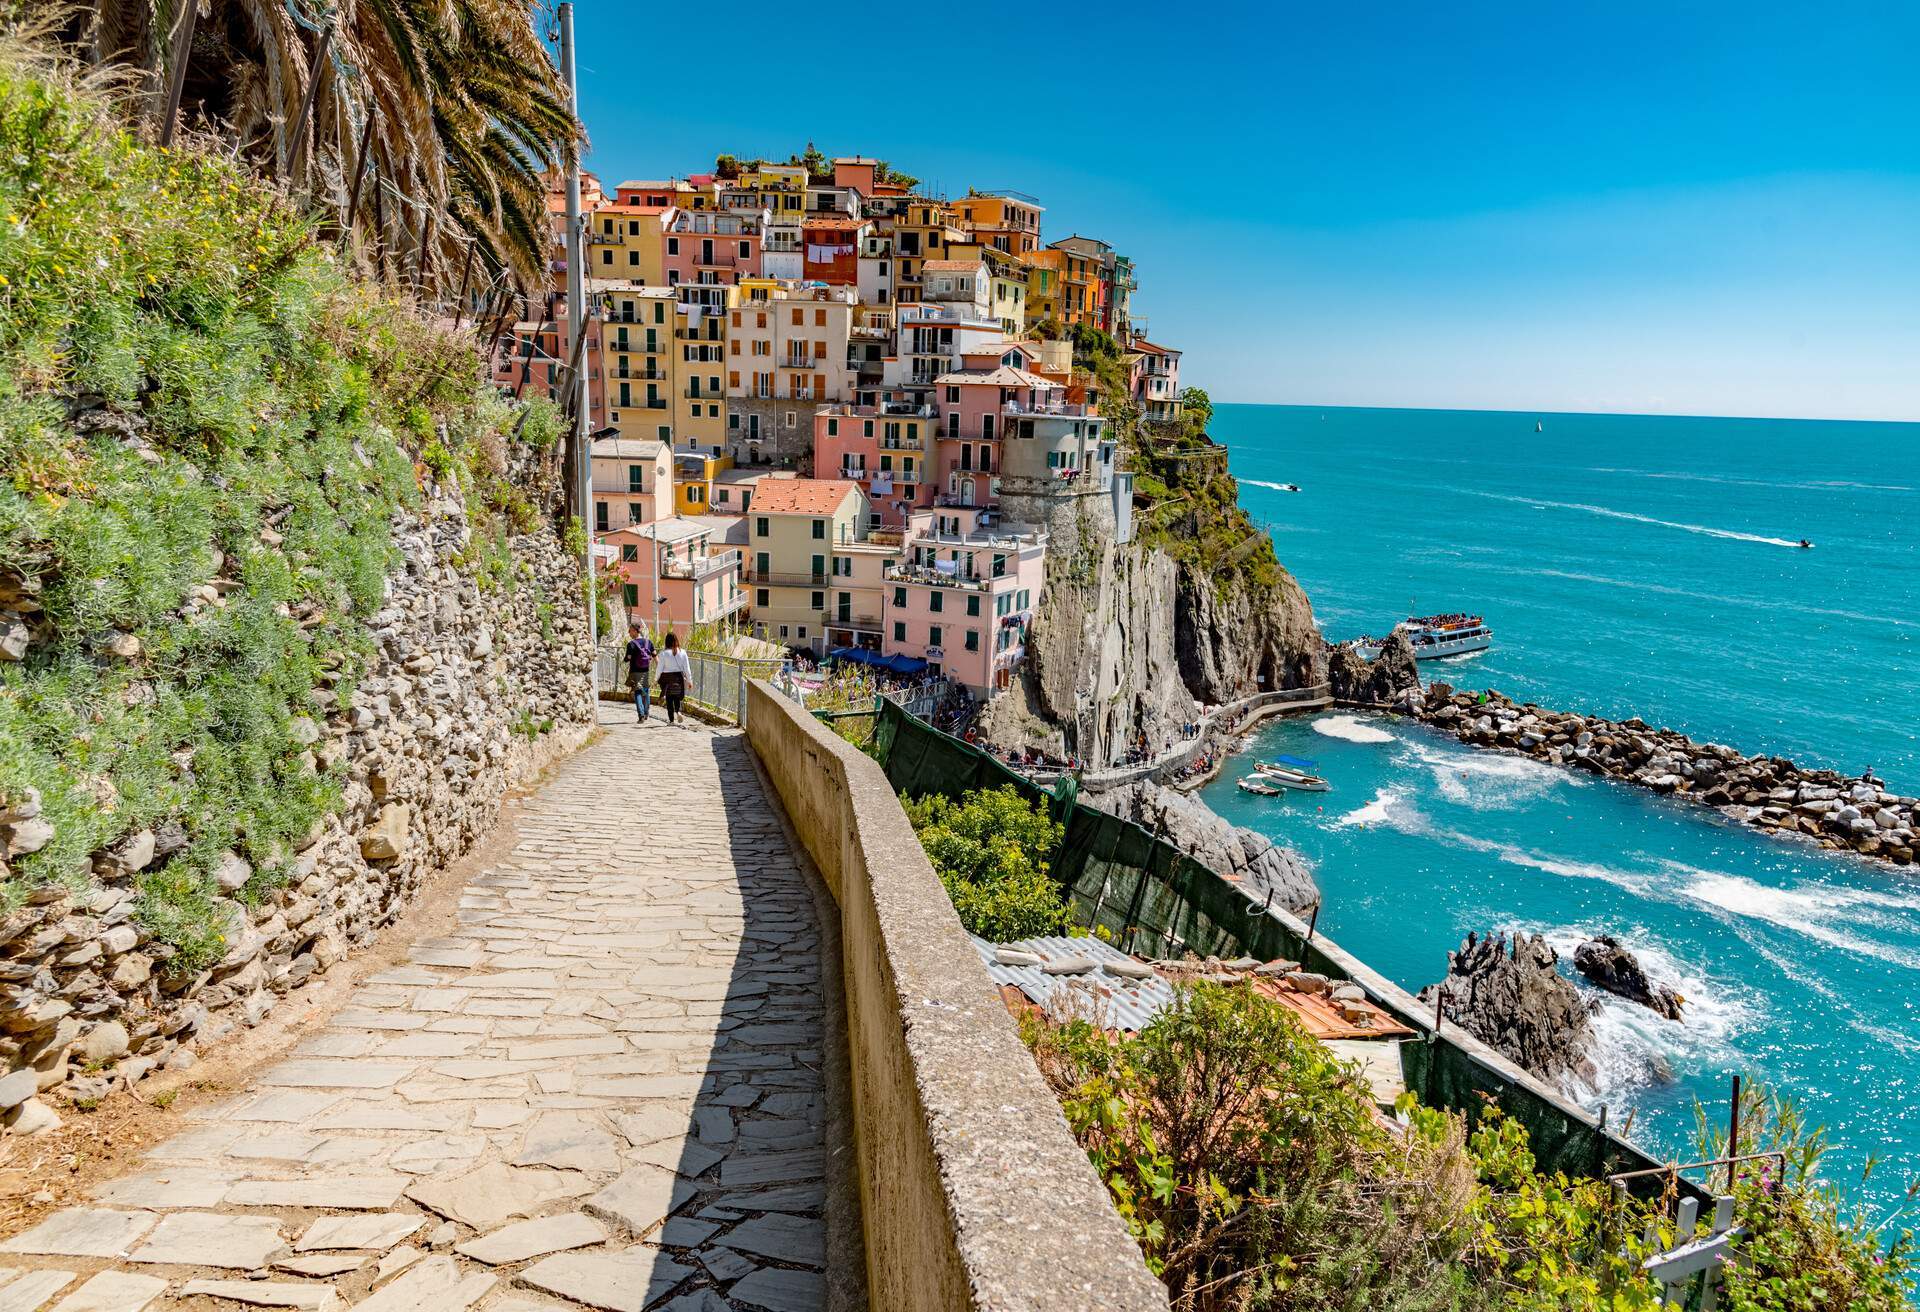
{"x": 1290, "y": 772}
{"x": 1253, "y": 783}
{"x": 1435, "y": 637}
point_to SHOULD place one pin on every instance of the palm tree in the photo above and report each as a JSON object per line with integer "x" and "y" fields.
{"x": 456, "y": 102}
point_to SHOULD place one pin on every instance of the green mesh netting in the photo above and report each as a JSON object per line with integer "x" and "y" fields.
{"x": 1155, "y": 900}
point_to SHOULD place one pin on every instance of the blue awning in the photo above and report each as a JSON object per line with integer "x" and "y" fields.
{"x": 858, "y": 655}
{"x": 1298, "y": 762}
{"x": 900, "y": 664}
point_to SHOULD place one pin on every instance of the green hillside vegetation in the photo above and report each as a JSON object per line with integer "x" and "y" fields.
{"x": 205, "y": 425}
{"x": 1186, "y": 503}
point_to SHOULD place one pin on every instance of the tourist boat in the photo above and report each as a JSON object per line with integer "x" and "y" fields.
{"x": 1292, "y": 772}
{"x": 1254, "y": 784}
{"x": 1436, "y": 636}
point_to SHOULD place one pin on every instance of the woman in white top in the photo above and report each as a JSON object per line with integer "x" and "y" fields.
{"x": 674, "y": 669}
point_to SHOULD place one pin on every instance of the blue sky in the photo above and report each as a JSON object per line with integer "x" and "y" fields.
{"x": 1697, "y": 209}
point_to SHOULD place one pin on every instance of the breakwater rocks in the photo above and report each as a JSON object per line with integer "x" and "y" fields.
{"x": 1606, "y": 964}
{"x": 1767, "y": 792}
{"x": 470, "y": 688}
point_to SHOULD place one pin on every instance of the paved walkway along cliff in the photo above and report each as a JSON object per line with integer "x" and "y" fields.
{"x": 604, "y": 1089}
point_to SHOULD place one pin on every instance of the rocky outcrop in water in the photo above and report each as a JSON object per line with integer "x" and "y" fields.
{"x": 1386, "y": 679}
{"x": 1225, "y": 848}
{"x": 1511, "y": 997}
{"x": 1768, "y": 792}
{"x": 1606, "y": 964}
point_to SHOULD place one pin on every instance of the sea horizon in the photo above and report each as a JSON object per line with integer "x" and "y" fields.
{"x": 1571, "y": 414}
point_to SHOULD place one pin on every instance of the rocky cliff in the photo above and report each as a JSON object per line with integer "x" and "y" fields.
{"x": 1133, "y": 637}
{"x": 1263, "y": 867}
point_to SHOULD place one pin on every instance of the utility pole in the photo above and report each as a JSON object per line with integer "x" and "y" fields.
{"x": 576, "y": 326}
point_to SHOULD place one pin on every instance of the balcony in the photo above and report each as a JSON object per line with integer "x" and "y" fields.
{"x": 644, "y": 375}
{"x": 850, "y": 620}
{"x": 774, "y": 578}
{"x": 901, "y": 444}
{"x": 855, "y": 472}
{"x": 886, "y": 537}
{"x": 713, "y": 334}
{"x": 697, "y": 394}
{"x": 654, "y": 403}
{"x": 626, "y": 346}
{"x": 1060, "y": 408}
{"x": 718, "y": 562}
{"x": 907, "y": 573}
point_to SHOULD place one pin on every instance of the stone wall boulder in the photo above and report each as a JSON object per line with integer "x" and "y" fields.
{"x": 1223, "y": 847}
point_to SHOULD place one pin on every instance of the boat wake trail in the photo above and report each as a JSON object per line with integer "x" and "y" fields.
{"x": 1351, "y": 728}
{"x": 1261, "y": 482}
{"x": 1610, "y": 513}
{"x": 1377, "y": 812}
{"x": 1487, "y": 782}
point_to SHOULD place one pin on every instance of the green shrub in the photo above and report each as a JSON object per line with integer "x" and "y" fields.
{"x": 247, "y": 417}
{"x": 991, "y": 850}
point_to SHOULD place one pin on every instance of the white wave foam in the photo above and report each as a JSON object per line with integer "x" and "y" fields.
{"x": 1351, "y": 728}
{"x": 1631, "y": 1043}
{"x": 1487, "y": 780}
{"x": 1261, "y": 482}
{"x": 1377, "y": 812}
{"x": 1610, "y": 513}
{"x": 1814, "y": 910}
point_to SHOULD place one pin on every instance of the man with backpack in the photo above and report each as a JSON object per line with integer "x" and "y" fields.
{"x": 640, "y": 670}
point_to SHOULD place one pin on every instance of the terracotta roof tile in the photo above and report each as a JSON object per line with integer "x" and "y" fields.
{"x": 801, "y": 496}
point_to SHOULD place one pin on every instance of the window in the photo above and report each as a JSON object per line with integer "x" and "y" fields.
{"x": 953, "y": 395}
{"x": 636, "y": 478}
{"x": 629, "y": 595}
{"x": 600, "y": 516}
{"x": 899, "y": 596}
{"x": 633, "y": 257}
{"x": 973, "y": 640}
{"x": 760, "y": 566}
{"x": 899, "y": 631}
{"x": 818, "y": 601}
{"x": 933, "y": 635}
{"x": 833, "y": 428}
{"x": 760, "y": 597}
{"x": 746, "y": 251}
{"x": 673, "y": 245}
{"x": 760, "y": 529}
{"x": 936, "y": 602}
{"x": 819, "y": 530}
{"x": 819, "y": 567}
{"x": 696, "y": 494}
{"x": 629, "y": 551}
{"x": 801, "y": 631}
{"x": 973, "y": 604}
{"x": 783, "y": 630}
{"x": 819, "y": 321}
{"x": 798, "y": 316}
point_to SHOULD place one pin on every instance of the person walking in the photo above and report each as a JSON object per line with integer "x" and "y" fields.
{"x": 674, "y": 669}
{"x": 640, "y": 670}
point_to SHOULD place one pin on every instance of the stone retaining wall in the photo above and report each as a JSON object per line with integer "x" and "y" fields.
{"x": 1767, "y": 792}
{"x": 471, "y": 692}
{"x": 974, "y": 1193}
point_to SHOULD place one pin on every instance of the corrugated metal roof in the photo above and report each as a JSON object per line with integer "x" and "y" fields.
{"x": 1111, "y": 1001}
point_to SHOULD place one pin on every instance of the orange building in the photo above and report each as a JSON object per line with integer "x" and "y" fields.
{"x": 1008, "y": 221}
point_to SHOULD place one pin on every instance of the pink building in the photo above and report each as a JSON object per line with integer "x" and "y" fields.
{"x": 1156, "y": 381}
{"x": 679, "y": 572}
{"x": 714, "y": 247}
{"x": 976, "y": 405}
{"x": 529, "y": 359}
{"x": 886, "y": 448}
{"x": 963, "y": 594}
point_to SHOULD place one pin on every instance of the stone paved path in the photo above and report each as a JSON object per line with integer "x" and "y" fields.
{"x": 603, "y": 1089}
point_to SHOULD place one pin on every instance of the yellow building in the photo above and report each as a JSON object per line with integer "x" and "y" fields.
{"x": 920, "y": 233}
{"x": 700, "y": 369}
{"x": 694, "y": 475}
{"x": 803, "y": 537}
{"x": 1046, "y": 274}
{"x": 624, "y": 241}
{"x": 637, "y": 351}
{"x": 780, "y": 189}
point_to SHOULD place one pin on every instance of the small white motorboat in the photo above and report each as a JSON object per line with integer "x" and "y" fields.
{"x": 1258, "y": 786}
{"x": 1288, "y": 776}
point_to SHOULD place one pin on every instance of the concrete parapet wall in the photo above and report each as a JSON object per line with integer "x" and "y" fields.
{"x": 973, "y": 1192}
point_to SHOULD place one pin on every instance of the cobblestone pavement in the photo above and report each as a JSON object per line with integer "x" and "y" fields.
{"x": 603, "y": 1089}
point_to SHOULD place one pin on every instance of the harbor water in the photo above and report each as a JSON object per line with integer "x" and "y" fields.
{"x": 1628, "y": 566}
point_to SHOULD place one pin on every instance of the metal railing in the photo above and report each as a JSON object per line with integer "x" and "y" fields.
{"x": 716, "y": 684}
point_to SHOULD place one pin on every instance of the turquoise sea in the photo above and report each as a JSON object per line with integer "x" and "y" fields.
{"x": 1629, "y": 565}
